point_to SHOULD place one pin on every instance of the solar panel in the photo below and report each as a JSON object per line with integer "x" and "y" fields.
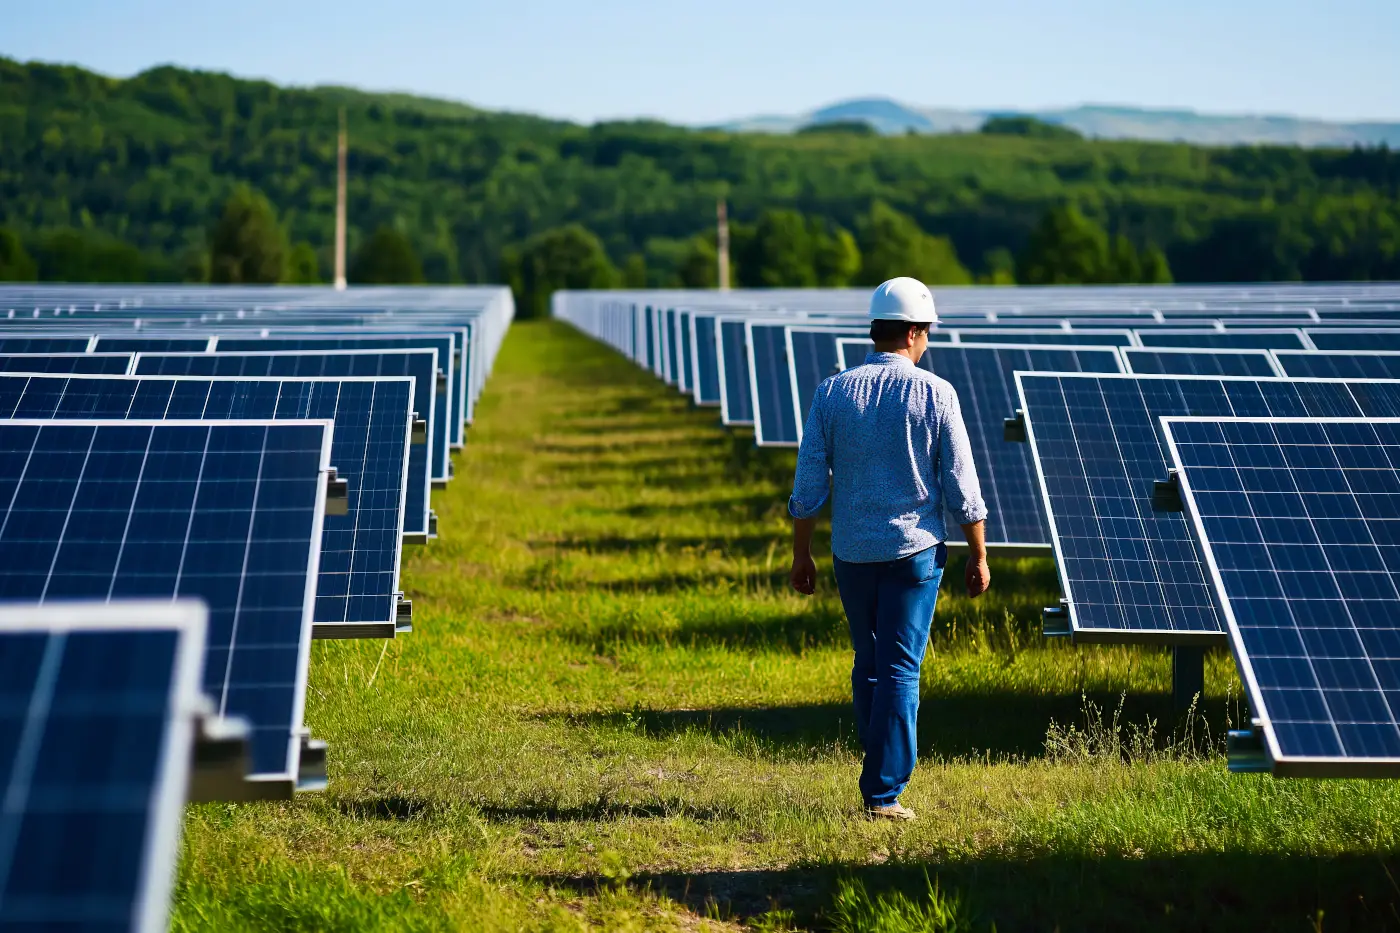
{"x": 97, "y": 707}
{"x": 985, "y": 380}
{"x": 770, "y": 381}
{"x": 1057, "y": 337}
{"x": 1299, "y": 522}
{"x": 736, "y": 391}
{"x": 1222, "y": 340}
{"x": 1355, "y": 339}
{"x": 853, "y": 352}
{"x": 815, "y": 356}
{"x": 112, "y": 364}
{"x": 227, "y": 512}
{"x": 706, "y": 363}
{"x": 419, "y": 364}
{"x": 1175, "y": 361}
{"x": 448, "y": 413}
{"x": 44, "y": 344}
{"x": 1340, "y": 364}
{"x": 357, "y": 586}
{"x": 112, "y": 343}
{"x": 1128, "y": 571}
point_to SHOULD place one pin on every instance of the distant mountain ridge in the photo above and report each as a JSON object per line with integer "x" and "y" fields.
{"x": 1094, "y": 120}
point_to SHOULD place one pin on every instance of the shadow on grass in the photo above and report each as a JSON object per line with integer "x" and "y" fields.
{"x": 823, "y": 626}
{"x": 393, "y": 808}
{"x": 1207, "y": 891}
{"x": 741, "y": 546}
{"x": 603, "y": 810}
{"x": 1000, "y": 725}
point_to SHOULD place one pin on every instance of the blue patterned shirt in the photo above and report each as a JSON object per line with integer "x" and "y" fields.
{"x": 887, "y": 441}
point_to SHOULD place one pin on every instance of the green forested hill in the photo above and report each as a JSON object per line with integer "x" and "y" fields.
{"x": 151, "y": 159}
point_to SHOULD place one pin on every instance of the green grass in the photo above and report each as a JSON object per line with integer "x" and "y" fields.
{"x": 614, "y": 714}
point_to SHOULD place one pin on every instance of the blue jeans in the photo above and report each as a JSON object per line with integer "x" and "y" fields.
{"x": 890, "y": 607}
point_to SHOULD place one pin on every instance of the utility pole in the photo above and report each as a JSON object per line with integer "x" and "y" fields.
{"x": 722, "y": 243}
{"x": 341, "y": 146}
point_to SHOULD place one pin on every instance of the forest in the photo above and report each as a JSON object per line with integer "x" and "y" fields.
{"x": 148, "y": 177}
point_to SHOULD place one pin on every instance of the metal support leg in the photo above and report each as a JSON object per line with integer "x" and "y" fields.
{"x": 1188, "y": 676}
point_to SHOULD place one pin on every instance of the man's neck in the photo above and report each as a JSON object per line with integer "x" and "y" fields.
{"x": 905, "y": 351}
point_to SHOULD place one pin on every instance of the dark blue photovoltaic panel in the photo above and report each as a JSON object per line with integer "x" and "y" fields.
{"x": 814, "y": 359}
{"x": 775, "y": 414}
{"x": 687, "y": 380}
{"x": 115, "y": 344}
{"x": 227, "y": 513}
{"x": 1219, "y": 340}
{"x": 445, "y": 407}
{"x": 448, "y": 405}
{"x": 673, "y": 349}
{"x": 737, "y": 394}
{"x": 1355, "y": 339}
{"x": 44, "y": 344}
{"x": 108, "y": 364}
{"x": 88, "y": 721}
{"x": 418, "y": 364}
{"x": 1301, "y": 522}
{"x": 706, "y": 361}
{"x": 360, "y": 550}
{"x": 985, "y": 380}
{"x": 1067, "y": 338}
{"x": 1358, "y": 365}
{"x": 1128, "y": 571}
{"x": 1225, "y": 363}
{"x": 854, "y": 352}
{"x": 649, "y": 357}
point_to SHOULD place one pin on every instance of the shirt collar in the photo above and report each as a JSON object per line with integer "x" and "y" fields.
{"x": 887, "y": 359}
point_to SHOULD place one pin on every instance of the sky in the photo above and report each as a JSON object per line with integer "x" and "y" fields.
{"x": 710, "y": 61}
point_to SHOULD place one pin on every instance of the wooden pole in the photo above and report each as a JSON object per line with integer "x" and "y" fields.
{"x": 722, "y": 243}
{"x": 340, "y": 158}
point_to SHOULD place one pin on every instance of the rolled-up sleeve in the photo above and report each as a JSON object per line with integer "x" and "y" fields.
{"x": 812, "y": 484}
{"x": 962, "y": 493}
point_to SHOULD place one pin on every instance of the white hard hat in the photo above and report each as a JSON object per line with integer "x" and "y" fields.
{"x": 903, "y": 299}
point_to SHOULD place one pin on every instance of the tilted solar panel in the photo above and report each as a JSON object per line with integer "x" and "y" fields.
{"x": 706, "y": 363}
{"x": 1128, "y": 571}
{"x": 112, "y": 364}
{"x": 1084, "y": 337}
{"x": 44, "y": 344}
{"x": 1299, "y": 522}
{"x": 1169, "y": 361}
{"x": 1221, "y": 340}
{"x": 1355, "y": 339}
{"x": 97, "y": 707}
{"x": 418, "y": 364}
{"x": 111, "y": 343}
{"x": 226, "y": 512}
{"x": 770, "y": 381}
{"x": 736, "y": 391}
{"x": 1340, "y": 364}
{"x": 815, "y": 356}
{"x": 358, "y": 584}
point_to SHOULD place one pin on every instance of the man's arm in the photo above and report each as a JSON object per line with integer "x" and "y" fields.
{"x": 977, "y": 574}
{"x": 804, "y": 569}
{"x": 810, "y": 488}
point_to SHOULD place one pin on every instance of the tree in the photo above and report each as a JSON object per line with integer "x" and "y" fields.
{"x": 15, "y": 263}
{"x": 999, "y": 267}
{"x": 303, "y": 266}
{"x": 835, "y": 255}
{"x": 386, "y": 258}
{"x": 1012, "y": 125}
{"x": 73, "y": 255}
{"x": 1123, "y": 262}
{"x": 1153, "y": 268}
{"x": 892, "y": 244}
{"x": 634, "y": 271}
{"x": 1066, "y": 248}
{"x": 247, "y": 246}
{"x": 699, "y": 267}
{"x": 562, "y": 257}
{"x": 777, "y": 252}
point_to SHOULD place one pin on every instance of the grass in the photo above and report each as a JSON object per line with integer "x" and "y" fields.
{"x": 614, "y": 714}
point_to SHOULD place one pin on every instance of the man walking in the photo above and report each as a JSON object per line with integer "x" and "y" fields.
{"x": 891, "y": 438}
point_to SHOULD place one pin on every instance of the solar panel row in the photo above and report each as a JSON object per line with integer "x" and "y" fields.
{"x": 1101, "y": 424}
{"x": 252, "y": 460}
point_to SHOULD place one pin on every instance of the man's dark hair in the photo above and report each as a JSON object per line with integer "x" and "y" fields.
{"x": 886, "y": 331}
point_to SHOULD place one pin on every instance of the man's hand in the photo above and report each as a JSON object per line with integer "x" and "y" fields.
{"x": 804, "y": 574}
{"x": 979, "y": 576}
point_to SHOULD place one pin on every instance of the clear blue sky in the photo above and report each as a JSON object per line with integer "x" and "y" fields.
{"x": 711, "y": 60}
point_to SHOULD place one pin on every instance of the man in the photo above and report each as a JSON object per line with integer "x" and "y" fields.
{"x": 891, "y": 437}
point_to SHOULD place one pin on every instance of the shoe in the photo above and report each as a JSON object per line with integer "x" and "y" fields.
{"x": 892, "y": 812}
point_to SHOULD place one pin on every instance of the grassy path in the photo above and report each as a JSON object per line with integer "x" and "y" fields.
{"x": 613, "y": 713}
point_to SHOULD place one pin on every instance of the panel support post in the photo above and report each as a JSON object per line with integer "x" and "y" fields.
{"x": 1188, "y": 675}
